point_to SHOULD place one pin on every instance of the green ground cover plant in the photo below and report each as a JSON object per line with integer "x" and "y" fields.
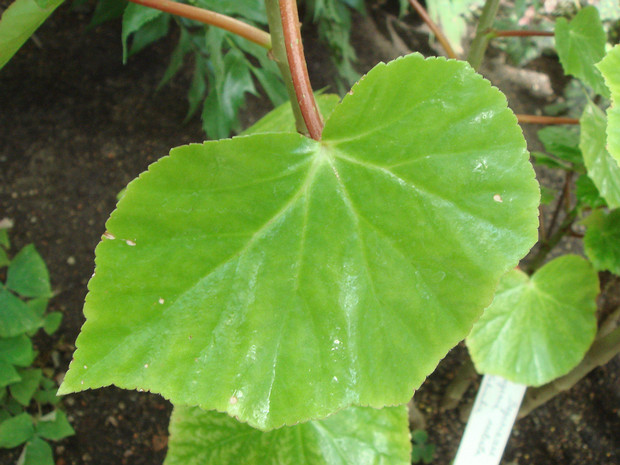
{"x": 289, "y": 289}
{"x": 29, "y": 417}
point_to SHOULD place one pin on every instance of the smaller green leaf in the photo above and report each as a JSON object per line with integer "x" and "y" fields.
{"x": 17, "y": 350}
{"x": 562, "y": 142}
{"x": 54, "y": 426}
{"x": 15, "y": 316}
{"x": 610, "y": 67}
{"x": 539, "y": 328}
{"x": 587, "y": 193}
{"x": 107, "y": 10}
{"x": 18, "y": 22}
{"x": 8, "y": 373}
{"x": 134, "y": 18}
{"x": 4, "y": 238}
{"x": 4, "y": 258}
{"x": 580, "y": 44}
{"x": 419, "y": 436}
{"x": 603, "y": 169}
{"x": 221, "y": 107}
{"x": 542, "y": 159}
{"x": 27, "y": 275}
{"x": 14, "y": 407}
{"x": 428, "y": 453}
{"x": 4, "y": 415}
{"x": 47, "y": 396}
{"x": 38, "y": 305}
{"x": 602, "y": 240}
{"x": 281, "y": 119}
{"x": 37, "y": 452}
{"x": 176, "y": 59}
{"x": 16, "y": 431}
{"x": 198, "y": 87}
{"x": 149, "y": 33}
{"x": 547, "y": 195}
{"x": 23, "y": 391}
{"x": 52, "y": 322}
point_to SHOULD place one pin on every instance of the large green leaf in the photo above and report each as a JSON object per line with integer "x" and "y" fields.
{"x": 603, "y": 169}
{"x": 581, "y": 44}
{"x": 355, "y": 436}
{"x": 280, "y": 279}
{"x": 18, "y": 22}
{"x": 15, "y": 316}
{"x": 602, "y": 240}
{"x": 27, "y": 274}
{"x": 610, "y": 67}
{"x": 538, "y": 328}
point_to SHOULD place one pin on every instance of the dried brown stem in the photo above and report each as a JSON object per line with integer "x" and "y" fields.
{"x": 443, "y": 40}
{"x": 211, "y": 18}
{"x": 299, "y": 70}
{"x": 535, "y": 119}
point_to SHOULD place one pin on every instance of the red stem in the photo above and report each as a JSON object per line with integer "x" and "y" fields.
{"x": 212, "y": 18}
{"x": 443, "y": 40}
{"x": 299, "y": 70}
{"x": 517, "y": 33}
{"x": 534, "y": 119}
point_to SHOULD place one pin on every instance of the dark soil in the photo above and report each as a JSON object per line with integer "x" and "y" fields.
{"x": 76, "y": 126}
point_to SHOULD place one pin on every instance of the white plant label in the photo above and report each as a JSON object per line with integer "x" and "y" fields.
{"x": 490, "y": 423}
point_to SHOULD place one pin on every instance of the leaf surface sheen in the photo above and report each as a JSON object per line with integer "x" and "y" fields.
{"x": 537, "y": 328}
{"x": 355, "y": 436}
{"x": 280, "y": 279}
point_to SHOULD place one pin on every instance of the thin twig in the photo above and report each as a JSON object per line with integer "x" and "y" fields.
{"x": 299, "y": 70}
{"x": 517, "y": 33}
{"x": 211, "y": 18}
{"x": 443, "y": 40}
{"x": 535, "y": 119}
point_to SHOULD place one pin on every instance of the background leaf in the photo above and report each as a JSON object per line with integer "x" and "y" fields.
{"x": 16, "y": 431}
{"x": 23, "y": 391}
{"x": 54, "y": 426}
{"x": 27, "y": 274}
{"x": 537, "y": 328}
{"x": 355, "y": 436}
{"x": 15, "y": 316}
{"x": 136, "y": 17}
{"x": 17, "y": 350}
{"x": 286, "y": 251}
{"x": 580, "y": 44}
{"x": 8, "y": 373}
{"x": 37, "y": 452}
{"x": 602, "y": 240}
{"x": 18, "y": 22}
{"x": 610, "y": 67}
{"x": 603, "y": 169}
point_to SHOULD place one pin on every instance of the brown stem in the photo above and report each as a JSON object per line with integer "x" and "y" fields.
{"x": 548, "y": 245}
{"x": 443, "y": 40}
{"x": 497, "y": 33}
{"x": 534, "y": 119}
{"x": 299, "y": 70}
{"x": 212, "y": 18}
{"x": 602, "y": 351}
